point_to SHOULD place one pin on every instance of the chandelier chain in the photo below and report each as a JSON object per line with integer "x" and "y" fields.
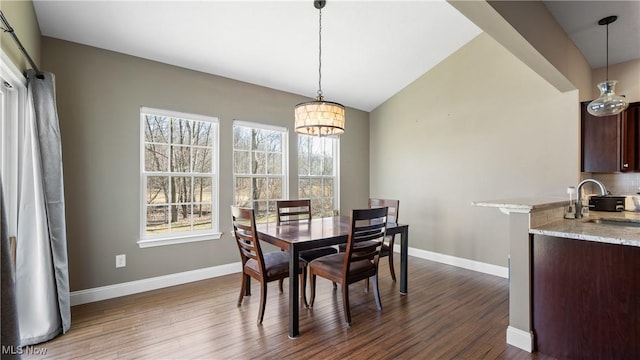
{"x": 320, "y": 54}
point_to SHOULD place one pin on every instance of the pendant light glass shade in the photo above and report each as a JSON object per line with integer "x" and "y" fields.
{"x": 608, "y": 103}
{"x": 319, "y": 117}
{"x": 322, "y": 118}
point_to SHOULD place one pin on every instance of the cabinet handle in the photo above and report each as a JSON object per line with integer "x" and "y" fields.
{"x": 625, "y": 165}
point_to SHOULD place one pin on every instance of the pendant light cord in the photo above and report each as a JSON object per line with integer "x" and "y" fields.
{"x": 606, "y": 21}
{"x": 607, "y": 52}
{"x": 320, "y": 55}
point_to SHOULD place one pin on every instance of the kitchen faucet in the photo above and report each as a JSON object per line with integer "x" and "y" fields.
{"x": 603, "y": 192}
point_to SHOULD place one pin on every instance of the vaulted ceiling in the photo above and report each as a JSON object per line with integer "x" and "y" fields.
{"x": 370, "y": 49}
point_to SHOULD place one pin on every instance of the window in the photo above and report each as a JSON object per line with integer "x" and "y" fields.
{"x": 318, "y": 173}
{"x": 179, "y": 169}
{"x": 259, "y": 167}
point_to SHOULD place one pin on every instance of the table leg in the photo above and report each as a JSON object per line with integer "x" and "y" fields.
{"x": 404, "y": 257}
{"x": 294, "y": 307}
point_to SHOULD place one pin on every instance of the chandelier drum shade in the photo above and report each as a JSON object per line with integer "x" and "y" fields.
{"x": 608, "y": 103}
{"x": 319, "y": 117}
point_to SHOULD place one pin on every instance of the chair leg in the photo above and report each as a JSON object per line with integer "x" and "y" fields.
{"x": 303, "y": 286}
{"x": 345, "y": 303}
{"x": 263, "y": 300}
{"x": 312, "y": 279}
{"x": 391, "y": 268}
{"x": 243, "y": 289}
{"x": 247, "y": 286}
{"x": 376, "y": 292}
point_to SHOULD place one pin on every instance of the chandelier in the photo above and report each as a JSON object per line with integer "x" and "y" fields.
{"x": 319, "y": 117}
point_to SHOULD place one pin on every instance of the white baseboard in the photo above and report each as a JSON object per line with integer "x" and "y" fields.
{"x": 478, "y": 266}
{"x": 138, "y": 286}
{"x": 520, "y": 338}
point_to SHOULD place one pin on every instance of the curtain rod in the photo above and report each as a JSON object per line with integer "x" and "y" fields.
{"x": 9, "y": 29}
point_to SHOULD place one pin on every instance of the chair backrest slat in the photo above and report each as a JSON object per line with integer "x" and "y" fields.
{"x": 393, "y": 205}
{"x": 367, "y": 232}
{"x": 293, "y": 210}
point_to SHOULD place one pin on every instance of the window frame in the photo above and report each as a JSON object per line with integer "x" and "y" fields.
{"x": 336, "y": 169}
{"x": 10, "y": 131}
{"x": 285, "y": 160}
{"x": 152, "y": 240}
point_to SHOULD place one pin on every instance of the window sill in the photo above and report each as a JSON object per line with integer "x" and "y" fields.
{"x": 145, "y": 243}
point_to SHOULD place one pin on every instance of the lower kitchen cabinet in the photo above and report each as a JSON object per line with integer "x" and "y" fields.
{"x": 585, "y": 299}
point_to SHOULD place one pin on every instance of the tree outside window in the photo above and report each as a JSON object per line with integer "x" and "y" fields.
{"x": 259, "y": 167}
{"x": 318, "y": 178}
{"x": 179, "y": 173}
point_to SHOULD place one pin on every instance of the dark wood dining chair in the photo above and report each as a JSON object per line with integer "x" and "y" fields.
{"x": 392, "y": 217}
{"x": 367, "y": 232}
{"x": 300, "y": 210}
{"x": 264, "y": 267}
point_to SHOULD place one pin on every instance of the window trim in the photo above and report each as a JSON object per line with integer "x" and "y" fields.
{"x": 336, "y": 167}
{"x": 10, "y": 133}
{"x": 145, "y": 240}
{"x": 285, "y": 156}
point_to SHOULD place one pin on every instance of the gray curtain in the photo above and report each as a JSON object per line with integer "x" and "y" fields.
{"x": 42, "y": 278}
{"x": 10, "y": 333}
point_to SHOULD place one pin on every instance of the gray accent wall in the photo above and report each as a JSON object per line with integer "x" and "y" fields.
{"x": 99, "y": 94}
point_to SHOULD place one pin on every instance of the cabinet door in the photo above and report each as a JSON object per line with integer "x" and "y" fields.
{"x": 631, "y": 138}
{"x": 585, "y": 299}
{"x": 600, "y": 142}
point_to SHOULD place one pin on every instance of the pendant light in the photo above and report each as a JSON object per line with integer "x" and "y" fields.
{"x": 608, "y": 103}
{"x": 319, "y": 117}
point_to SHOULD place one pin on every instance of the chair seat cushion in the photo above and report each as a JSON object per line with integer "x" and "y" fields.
{"x": 384, "y": 251}
{"x": 276, "y": 263}
{"x": 332, "y": 265}
{"x": 310, "y": 255}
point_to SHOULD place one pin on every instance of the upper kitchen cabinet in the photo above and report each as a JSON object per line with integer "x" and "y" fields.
{"x": 611, "y": 143}
{"x": 631, "y": 138}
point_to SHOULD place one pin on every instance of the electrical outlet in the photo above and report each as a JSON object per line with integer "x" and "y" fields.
{"x": 121, "y": 260}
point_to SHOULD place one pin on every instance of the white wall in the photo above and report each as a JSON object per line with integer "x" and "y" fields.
{"x": 479, "y": 126}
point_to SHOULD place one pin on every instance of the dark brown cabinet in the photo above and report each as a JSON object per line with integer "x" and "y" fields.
{"x": 611, "y": 143}
{"x": 586, "y": 299}
{"x": 631, "y": 138}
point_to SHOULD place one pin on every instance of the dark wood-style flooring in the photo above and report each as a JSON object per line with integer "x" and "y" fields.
{"x": 449, "y": 313}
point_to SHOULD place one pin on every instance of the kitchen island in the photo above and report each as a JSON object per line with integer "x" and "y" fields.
{"x": 539, "y": 220}
{"x": 585, "y": 287}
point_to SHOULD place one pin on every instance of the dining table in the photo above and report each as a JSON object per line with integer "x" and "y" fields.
{"x": 296, "y": 236}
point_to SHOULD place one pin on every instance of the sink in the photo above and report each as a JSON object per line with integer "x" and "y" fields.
{"x": 614, "y": 222}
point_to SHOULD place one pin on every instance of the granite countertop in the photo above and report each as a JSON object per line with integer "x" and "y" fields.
{"x": 584, "y": 229}
{"x": 525, "y": 204}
